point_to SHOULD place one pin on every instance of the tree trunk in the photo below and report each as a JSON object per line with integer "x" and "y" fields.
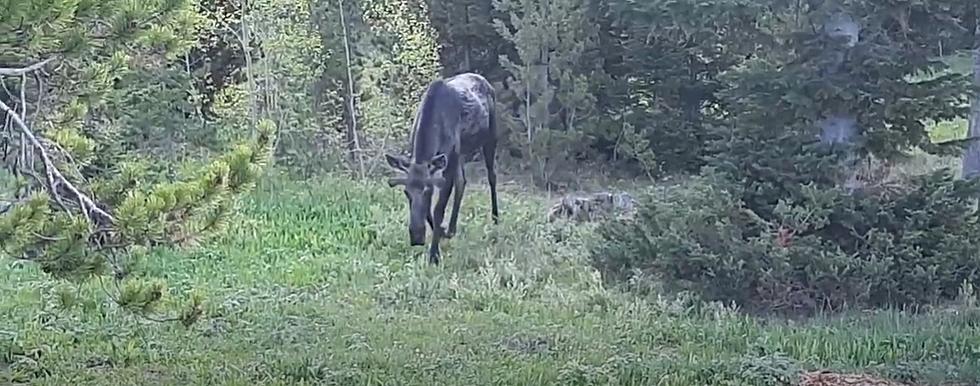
{"x": 353, "y": 144}
{"x": 971, "y": 158}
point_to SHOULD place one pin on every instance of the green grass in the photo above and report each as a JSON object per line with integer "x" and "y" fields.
{"x": 315, "y": 284}
{"x": 948, "y": 130}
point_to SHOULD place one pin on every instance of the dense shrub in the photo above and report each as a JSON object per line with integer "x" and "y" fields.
{"x": 829, "y": 248}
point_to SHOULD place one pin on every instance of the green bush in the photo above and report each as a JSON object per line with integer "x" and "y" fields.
{"x": 826, "y": 249}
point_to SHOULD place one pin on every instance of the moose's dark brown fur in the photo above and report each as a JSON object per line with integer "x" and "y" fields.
{"x": 454, "y": 121}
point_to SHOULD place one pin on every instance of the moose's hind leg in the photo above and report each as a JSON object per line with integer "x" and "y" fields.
{"x": 489, "y": 153}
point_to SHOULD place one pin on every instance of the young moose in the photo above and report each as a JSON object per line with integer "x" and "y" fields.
{"x": 455, "y": 120}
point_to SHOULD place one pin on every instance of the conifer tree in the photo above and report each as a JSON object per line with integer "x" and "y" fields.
{"x": 664, "y": 59}
{"x": 852, "y": 94}
{"x": 804, "y": 207}
{"x": 80, "y": 203}
{"x": 467, "y": 37}
{"x": 549, "y": 78}
{"x": 971, "y": 157}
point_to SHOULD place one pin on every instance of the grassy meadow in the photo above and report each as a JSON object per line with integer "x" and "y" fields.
{"x": 314, "y": 283}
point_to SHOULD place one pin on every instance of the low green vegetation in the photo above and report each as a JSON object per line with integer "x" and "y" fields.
{"x": 781, "y": 172}
{"x": 314, "y": 283}
{"x": 905, "y": 242}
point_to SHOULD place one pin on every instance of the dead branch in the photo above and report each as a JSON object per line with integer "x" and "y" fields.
{"x": 55, "y": 178}
{"x": 60, "y": 150}
{"x": 40, "y": 97}
{"x": 23, "y": 96}
{"x": 25, "y": 70}
{"x": 57, "y": 198}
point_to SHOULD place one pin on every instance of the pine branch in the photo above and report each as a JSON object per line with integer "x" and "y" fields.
{"x": 55, "y": 178}
{"x": 25, "y": 70}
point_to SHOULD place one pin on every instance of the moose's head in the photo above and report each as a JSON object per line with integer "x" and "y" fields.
{"x": 419, "y": 180}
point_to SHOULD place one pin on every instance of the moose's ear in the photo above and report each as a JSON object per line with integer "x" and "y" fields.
{"x": 397, "y": 162}
{"x": 438, "y": 163}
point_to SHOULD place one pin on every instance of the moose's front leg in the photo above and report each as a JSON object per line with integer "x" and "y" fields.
{"x": 458, "y": 190}
{"x": 437, "y": 217}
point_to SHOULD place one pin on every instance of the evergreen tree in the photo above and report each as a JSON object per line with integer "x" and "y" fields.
{"x": 468, "y": 39}
{"x": 971, "y": 157}
{"x": 801, "y": 207}
{"x": 853, "y": 94}
{"x": 664, "y": 59}
{"x": 549, "y": 79}
{"x": 81, "y": 202}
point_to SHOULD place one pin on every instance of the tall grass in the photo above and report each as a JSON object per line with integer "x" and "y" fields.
{"x": 315, "y": 284}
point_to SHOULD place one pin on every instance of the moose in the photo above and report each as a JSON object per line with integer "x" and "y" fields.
{"x": 454, "y": 121}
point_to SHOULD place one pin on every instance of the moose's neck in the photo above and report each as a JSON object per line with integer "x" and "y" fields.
{"x": 430, "y": 122}
{"x": 425, "y": 145}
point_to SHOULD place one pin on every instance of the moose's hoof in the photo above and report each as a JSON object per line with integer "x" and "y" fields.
{"x": 434, "y": 259}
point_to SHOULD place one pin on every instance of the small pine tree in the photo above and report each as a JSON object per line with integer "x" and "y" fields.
{"x": 82, "y": 202}
{"x": 548, "y": 79}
